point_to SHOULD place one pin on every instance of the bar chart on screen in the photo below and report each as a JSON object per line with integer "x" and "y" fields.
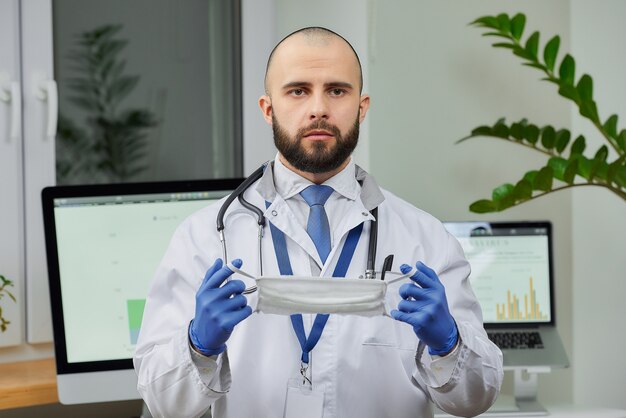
{"x": 512, "y": 309}
{"x": 510, "y": 277}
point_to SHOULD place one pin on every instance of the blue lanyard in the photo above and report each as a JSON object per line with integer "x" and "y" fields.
{"x": 284, "y": 265}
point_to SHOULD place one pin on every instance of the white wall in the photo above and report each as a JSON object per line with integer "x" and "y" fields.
{"x": 433, "y": 79}
{"x": 258, "y": 24}
{"x": 599, "y": 217}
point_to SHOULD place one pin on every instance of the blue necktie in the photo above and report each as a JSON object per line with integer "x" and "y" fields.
{"x": 317, "y": 226}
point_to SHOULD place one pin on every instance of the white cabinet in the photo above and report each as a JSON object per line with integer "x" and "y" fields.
{"x": 11, "y": 197}
{"x": 27, "y": 127}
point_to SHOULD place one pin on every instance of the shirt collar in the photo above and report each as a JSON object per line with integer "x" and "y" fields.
{"x": 346, "y": 183}
{"x": 288, "y": 183}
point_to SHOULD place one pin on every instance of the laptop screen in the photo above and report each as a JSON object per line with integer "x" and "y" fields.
{"x": 511, "y": 269}
{"x": 104, "y": 245}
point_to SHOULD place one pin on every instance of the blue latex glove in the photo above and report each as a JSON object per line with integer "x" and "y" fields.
{"x": 218, "y": 309}
{"x": 425, "y": 308}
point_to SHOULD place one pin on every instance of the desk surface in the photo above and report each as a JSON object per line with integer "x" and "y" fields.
{"x": 28, "y": 383}
{"x": 573, "y": 411}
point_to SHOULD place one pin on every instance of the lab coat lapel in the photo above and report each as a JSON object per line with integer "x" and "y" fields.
{"x": 355, "y": 216}
{"x": 281, "y": 216}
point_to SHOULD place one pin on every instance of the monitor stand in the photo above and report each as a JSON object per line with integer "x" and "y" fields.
{"x": 523, "y": 402}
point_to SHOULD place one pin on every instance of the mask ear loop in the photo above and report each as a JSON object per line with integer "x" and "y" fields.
{"x": 242, "y": 273}
{"x": 400, "y": 276}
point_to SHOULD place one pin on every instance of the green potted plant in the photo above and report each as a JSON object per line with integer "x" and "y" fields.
{"x": 567, "y": 164}
{"x": 113, "y": 146}
{"x": 4, "y": 291}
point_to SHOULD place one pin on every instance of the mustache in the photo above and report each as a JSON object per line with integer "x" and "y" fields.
{"x": 320, "y": 124}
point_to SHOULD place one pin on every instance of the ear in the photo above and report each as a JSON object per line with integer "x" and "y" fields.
{"x": 265, "y": 103}
{"x": 364, "y": 105}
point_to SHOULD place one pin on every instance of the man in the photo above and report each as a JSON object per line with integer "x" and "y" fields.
{"x": 218, "y": 354}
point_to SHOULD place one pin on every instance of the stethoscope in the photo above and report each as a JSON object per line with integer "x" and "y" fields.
{"x": 370, "y": 272}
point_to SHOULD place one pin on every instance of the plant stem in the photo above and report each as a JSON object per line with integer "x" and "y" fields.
{"x": 548, "y": 153}
{"x": 617, "y": 191}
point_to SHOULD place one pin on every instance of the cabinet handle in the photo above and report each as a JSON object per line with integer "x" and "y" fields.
{"x": 48, "y": 93}
{"x": 16, "y": 111}
{"x": 13, "y": 97}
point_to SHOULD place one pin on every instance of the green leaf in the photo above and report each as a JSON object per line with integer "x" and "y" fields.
{"x": 570, "y": 171}
{"x": 569, "y": 92}
{"x": 121, "y": 87}
{"x": 584, "y": 166}
{"x": 562, "y": 139}
{"x": 578, "y": 147}
{"x": 620, "y": 178}
{"x": 505, "y": 203}
{"x": 523, "y": 190}
{"x": 589, "y": 110}
{"x": 599, "y": 170}
{"x": 558, "y": 166}
{"x": 530, "y": 176}
{"x": 505, "y": 22}
{"x": 497, "y": 34}
{"x": 482, "y": 130}
{"x": 522, "y": 53}
{"x": 614, "y": 168}
{"x": 501, "y": 130}
{"x": 517, "y": 25}
{"x": 532, "y": 45}
{"x": 543, "y": 180}
{"x": 585, "y": 88}
{"x": 482, "y": 206}
{"x": 610, "y": 126}
{"x": 567, "y": 70}
{"x": 548, "y": 136}
{"x": 517, "y": 131}
{"x": 501, "y": 192}
{"x": 601, "y": 154}
{"x": 531, "y": 133}
{"x": 534, "y": 65}
{"x": 621, "y": 140}
{"x": 503, "y": 45}
{"x": 487, "y": 21}
{"x": 550, "y": 51}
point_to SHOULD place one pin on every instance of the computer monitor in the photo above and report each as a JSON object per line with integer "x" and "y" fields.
{"x": 104, "y": 243}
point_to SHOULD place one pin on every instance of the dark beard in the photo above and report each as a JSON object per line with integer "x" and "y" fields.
{"x": 321, "y": 158}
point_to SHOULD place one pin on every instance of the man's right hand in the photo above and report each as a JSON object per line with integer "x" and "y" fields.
{"x": 218, "y": 309}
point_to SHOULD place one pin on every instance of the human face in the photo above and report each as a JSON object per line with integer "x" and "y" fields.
{"x": 313, "y": 97}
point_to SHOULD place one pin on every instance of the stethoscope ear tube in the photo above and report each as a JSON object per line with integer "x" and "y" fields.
{"x": 235, "y": 194}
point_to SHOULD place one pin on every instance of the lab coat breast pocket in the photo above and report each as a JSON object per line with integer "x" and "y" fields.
{"x": 390, "y": 343}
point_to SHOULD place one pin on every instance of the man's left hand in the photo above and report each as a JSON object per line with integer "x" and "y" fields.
{"x": 425, "y": 307}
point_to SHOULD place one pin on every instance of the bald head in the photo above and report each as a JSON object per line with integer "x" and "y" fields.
{"x": 316, "y": 37}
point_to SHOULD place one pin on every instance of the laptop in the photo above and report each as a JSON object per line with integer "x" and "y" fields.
{"x": 513, "y": 279}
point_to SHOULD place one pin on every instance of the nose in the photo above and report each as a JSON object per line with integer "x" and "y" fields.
{"x": 319, "y": 107}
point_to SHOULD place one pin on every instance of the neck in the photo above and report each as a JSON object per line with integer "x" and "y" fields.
{"x": 317, "y": 178}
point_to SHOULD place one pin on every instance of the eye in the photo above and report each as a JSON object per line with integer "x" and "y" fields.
{"x": 337, "y": 92}
{"x": 297, "y": 92}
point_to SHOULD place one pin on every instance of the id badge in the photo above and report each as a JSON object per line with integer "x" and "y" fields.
{"x": 304, "y": 400}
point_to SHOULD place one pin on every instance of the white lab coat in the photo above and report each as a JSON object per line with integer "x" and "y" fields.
{"x": 369, "y": 367}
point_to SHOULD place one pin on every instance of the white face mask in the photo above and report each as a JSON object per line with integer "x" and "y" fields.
{"x": 287, "y": 295}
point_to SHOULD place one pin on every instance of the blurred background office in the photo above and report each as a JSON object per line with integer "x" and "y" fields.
{"x": 189, "y": 74}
